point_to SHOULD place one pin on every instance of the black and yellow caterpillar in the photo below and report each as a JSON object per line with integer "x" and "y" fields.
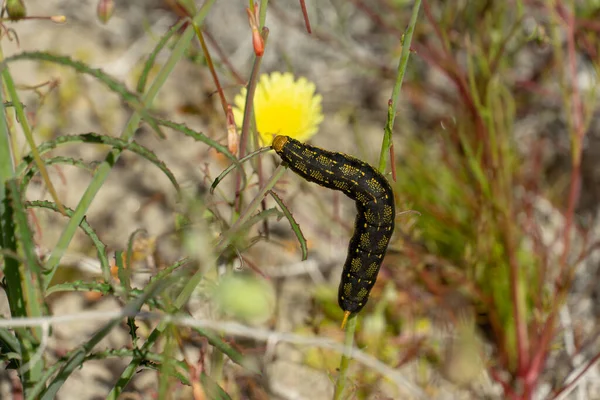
{"x": 375, "y": 205}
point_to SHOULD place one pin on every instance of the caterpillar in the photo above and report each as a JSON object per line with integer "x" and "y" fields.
{"x": 374, "y": 223}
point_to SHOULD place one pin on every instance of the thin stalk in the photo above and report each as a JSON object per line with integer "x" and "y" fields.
{"x": 248, "y": 118}
{"x": 340, "y": 383}
{"x": 406, "y": 41}
{"x": 263, "y": 13}
{"x": 211, "y": 67}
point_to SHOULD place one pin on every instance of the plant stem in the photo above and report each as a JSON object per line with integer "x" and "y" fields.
{"x": 406, "y": 41}
{"x": 345, "y": 361}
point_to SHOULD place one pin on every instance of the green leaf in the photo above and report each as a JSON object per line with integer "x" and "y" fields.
{"x": 235, "y": 165}
{"x": 30, "y": 173}
{"x": 81, "y": 286}
{"x": 94, "y": 138}
{"x": 212, "y": 389}
{"x": 293, "y": 224}
{"x": 141, "y": 85}
{"x": 199, "y": 137}
{"x": 87, "y": 229}
{"x": 23, "y": 282}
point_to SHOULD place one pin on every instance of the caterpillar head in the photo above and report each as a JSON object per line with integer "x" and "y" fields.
{"x": 278, "y": 142}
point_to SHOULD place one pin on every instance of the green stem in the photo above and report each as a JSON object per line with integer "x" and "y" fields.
{"x": 406, "y": 41}
{"x": 340, "y": 383}
{"x": 263, "y": 13}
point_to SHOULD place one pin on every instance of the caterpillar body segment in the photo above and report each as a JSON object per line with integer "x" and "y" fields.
{"x": 374, "y": 223}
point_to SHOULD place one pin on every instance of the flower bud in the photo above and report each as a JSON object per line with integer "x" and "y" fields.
{"x": 15, "y": 9}
{"x": 59, "y": 19}
{"x": 105, "y": 10}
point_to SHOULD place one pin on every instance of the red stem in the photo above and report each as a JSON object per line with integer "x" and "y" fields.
{"x": 578, "y": 133}
{"x": 305, "y": 15}
{"x": 592, "y": 362}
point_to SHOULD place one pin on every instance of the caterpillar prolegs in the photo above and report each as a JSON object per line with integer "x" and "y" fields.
{"x": 374, "y": 223}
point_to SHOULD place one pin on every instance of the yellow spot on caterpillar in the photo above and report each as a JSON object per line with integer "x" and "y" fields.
{"x": 317, "y": 175}
{"x": 365, "y": 240}
{"x": 301, "y": 166}
{"x": 370, "y": 217}
{"x": 278, "y": 142}
{"x": 362, "y": 293}
{"x": 347, "y": 289}
{"x": 350, "y": 171}
{"x": 340, "y": 185}
{"x": 371, "y": 270}
{"x": 328, "y": 162}
{"x": 355, "y": 265}
{"x": 308, "y": 153}
{"x": 387, "y": 214}
{"x": 361, "y": 197}
{"x": 375, "y": 186}
{"x": 382, "y": 244}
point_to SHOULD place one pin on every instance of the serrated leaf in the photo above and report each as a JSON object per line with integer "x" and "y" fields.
{"x": 295, "y": 226}
{"x": 95, "y": 138}
{"x": 87, "y": 229}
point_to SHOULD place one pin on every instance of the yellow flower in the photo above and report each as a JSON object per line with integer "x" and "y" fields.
{"x": 282, "y": 106}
